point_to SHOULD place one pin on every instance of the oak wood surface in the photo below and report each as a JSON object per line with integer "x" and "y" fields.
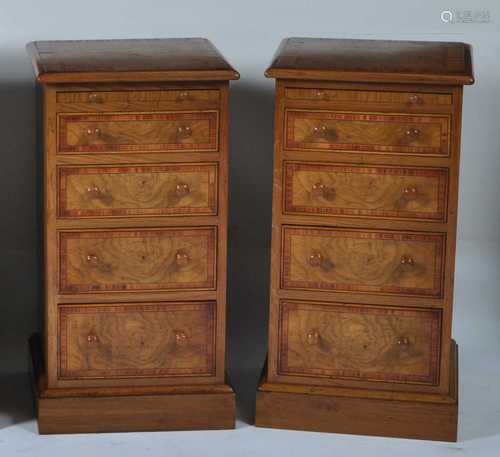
{"x": 92, "y": 261}
{"x": 360, "y": 342}
{"x": 363, "y": 261}
{"x": 368, "y": 132}
{"x": 346, "y": 190}
{"x": 132, "y": 340}
{"x": 373, "y": 61}
{"x": 182, "y": 189}
{"x": 129, "y": 60}
{"x": 172, "y": 131}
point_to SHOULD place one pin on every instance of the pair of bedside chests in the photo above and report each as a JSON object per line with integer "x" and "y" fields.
{"x": 134, "y": 151}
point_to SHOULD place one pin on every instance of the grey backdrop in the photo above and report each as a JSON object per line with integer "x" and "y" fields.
{"x": 248, "y": 33}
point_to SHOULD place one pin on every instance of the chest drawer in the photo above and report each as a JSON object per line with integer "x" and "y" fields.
{"x": 367, "y": 132}
{"x": 148, "y": 259}
{"x": 179, "y": 189}
{"x": 360, "y": 342}
{"x": 138, "y": 100}
{"x": 406, "y": 101}
{"x": 363, "y": 261}
{"x": 350, "y": 190}
{"x": 138, "y": 132}
{"x": 136, "y": 340}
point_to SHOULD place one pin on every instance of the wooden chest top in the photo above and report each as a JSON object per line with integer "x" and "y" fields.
{"x": 373, "y": 61}
{"x": 129, "y": 60}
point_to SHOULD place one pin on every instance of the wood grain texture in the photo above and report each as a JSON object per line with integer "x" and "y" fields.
{"x": 180, "y": 189}
{"x": 119, "y": 260}
{"x": 346, "y": 190}
{"x": 367, "y": 132}
{"x": 132, "y": 132}
{"x": 144, "y": 100}
{"x": 391, "y": 81}
{"x": 137, "y": 340}
{"x": 364, "y": 261}
{"x": 373, "y": 61}
{"x": 361, "y": 411}
{"x": 392, "y": 344}
{"x": 405, "y": 100}
{"x": 176, "y": 59}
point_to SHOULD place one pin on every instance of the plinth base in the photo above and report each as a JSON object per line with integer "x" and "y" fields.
{"x": 96, "y": 410}
{"x": 361, "y": 412}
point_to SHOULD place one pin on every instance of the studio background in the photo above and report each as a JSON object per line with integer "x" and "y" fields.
{"x": 248, "y": 33}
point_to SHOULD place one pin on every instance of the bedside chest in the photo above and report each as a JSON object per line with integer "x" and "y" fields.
{"x": 365, "y": 197}
{"x": 134, "y": 151}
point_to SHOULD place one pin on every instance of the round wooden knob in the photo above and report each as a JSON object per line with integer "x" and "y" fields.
{"x": 182, "y": 258}
{"x": 410, "y": 192}
{"x": 415, "y": 99}
{"x": 180, "y": 337}
{"x": 318, "y": 189}
{"x": 184, "y": 130}
{"x": 94, "y": 191}
{"x": 91, "y": 338}
{"x": 407, "y": 260}
{"x": 312, "y": 337}
{"x": 94, "y": 132}
{"x": 93, "y": 98}
{"x": 403, "y": 341}
{"x": 413, "y": 132}
{"x": 182, "y": 189}
{"x": 92, "y": 258}
{"x": 315, "y": 259}
{"x": 320, "y": 130}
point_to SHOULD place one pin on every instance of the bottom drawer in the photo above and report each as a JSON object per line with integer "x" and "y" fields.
{"x": 361, "y": 342}
{"x": 137, "y": 340}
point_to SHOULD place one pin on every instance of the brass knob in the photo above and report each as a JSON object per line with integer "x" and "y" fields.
{"x": 93, "y": 98}
{"x": 180, "y": 337}
{"x": 403, "y": 341}
{"x": 182, "y": 189}
{"x": 315, "y": 259}
{"x": 413, "y": 132}
{"x": 183, "y": 95}
{"x": 312, "y": 337}
{"x": 410, "y": 192}
{"x": 320, "y": 93}
{"x": 407, "y": 260}
{"x": 320, "y": 130}
{"x": 182, "y": 258}
{"x": 91, "y": 338}
{"x": 94, "y": 132}
{"x": 414, "y": 98}
{"x": 93, "y": 191}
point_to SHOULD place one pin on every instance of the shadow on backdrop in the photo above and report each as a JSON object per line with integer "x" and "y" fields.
{"x": 251, "y": 160}
{"x": 18, "y": 227}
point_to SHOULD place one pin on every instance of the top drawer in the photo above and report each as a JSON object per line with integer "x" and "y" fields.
{"x": 136, "y": 100}
{"x": 405, "y": 101}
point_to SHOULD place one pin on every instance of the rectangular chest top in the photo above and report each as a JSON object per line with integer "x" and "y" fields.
{"x": 170, "y": 59}
{"x": 373, "y": 61}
